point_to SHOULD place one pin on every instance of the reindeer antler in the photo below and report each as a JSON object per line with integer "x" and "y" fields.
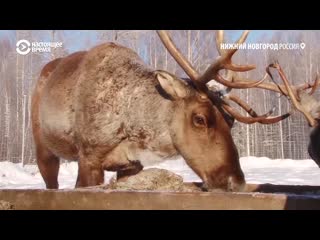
{"x": 293, "y": 93}
{"x": 224, "y": 62}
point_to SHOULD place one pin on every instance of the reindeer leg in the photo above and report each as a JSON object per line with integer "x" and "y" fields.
{"x": 48, "y": 165}
{"x": 90, "y": 172}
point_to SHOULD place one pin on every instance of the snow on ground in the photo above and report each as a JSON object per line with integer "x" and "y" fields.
{"x": 256, "y": 170}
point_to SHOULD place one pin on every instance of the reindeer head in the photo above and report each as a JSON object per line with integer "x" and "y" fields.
{"x": 305, "y": 103}
{"x": 202, "y": 119}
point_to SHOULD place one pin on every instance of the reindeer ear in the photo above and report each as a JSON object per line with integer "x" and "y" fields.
{"x": 173, "y": 86}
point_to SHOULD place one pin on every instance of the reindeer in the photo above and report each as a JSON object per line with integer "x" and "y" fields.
{"x": 108, "y": 110}
{"x": 306, "y": 104}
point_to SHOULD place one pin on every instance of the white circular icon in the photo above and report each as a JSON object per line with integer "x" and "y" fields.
{"x": 23, "y": 47}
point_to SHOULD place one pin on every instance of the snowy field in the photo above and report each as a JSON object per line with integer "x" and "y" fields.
{"x": 257, "y": 170}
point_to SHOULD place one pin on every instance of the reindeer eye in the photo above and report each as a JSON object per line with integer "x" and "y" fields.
{"x": 199, "y": 120}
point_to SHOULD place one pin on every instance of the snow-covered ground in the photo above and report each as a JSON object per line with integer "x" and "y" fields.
{"x": 257, "y": 170}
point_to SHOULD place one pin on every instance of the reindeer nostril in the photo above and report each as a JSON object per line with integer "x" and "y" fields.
{"x": 235, "y": 185}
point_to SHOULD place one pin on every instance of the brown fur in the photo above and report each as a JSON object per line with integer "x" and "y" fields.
{"x": 313, "y": 146}
{"x": 108, "y": 110}
{"x": 313, "y": 107}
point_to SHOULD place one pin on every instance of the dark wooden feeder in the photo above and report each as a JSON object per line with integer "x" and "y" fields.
{"x": 156, "y": 193}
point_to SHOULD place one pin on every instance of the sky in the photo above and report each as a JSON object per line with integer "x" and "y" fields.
{"x": 78, "y": 40}
{"x": 83, "y": 39}
{"x": 252, "y": 37}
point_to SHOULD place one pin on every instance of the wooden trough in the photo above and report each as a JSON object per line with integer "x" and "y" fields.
{"x": 255, "y": 197}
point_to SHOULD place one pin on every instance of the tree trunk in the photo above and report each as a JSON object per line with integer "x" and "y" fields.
{"x": 53, "y": 50}
{"x": 23, "y": 128}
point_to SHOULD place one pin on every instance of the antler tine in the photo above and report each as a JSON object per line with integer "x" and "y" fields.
{"x": 312, "y": 122}
{"x": 239, "y": 84}
{"x": 315, "y": 85}
{"x": 177, "y": 55}
{"x": 224, "y": 62}
{"x": 241, "y": 40}
{"x": 236, "y": 67}
{"x": 219, "y": 41}
{"x": 247, "y": 108}
{"x": 243, "y": 36}
{"x": 250, "y": 120}
{"x": 280, "y": 88}
{"x": 263, "y": 119}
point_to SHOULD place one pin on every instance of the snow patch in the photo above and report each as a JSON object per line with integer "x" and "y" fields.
{"x": 257, "y": 170}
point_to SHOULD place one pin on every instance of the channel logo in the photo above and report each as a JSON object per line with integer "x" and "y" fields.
{"x": 23, "y": 47}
